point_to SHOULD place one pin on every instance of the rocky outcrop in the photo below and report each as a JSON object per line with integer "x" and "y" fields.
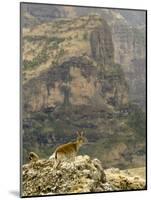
{"x": 83, "y": 175}
{"x": 125, "y": 179}
{"x": 128, "y": 35}
{"x": 130, "y": 52}
{"x": 102, "y": 45}
{"x": 129, "y": 43}
{"x": 77, "y": 81}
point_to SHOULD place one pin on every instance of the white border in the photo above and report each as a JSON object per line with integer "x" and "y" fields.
{"x": 9, "y": 97}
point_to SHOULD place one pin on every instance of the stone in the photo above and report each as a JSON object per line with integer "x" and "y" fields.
{"x": 79, "y": 176}
{"x": 82, "y": 175}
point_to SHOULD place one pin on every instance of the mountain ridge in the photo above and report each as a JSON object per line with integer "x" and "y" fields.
{"x": 71, "y": 81}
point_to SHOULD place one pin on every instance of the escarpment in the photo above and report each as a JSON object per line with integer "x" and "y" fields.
{"x": 102, "y": 45}
{"x": 76, "y": 82}
{"x": 71, "y": 81}
{"x": 80, "y": 79}
{"x": 128, "y": 35}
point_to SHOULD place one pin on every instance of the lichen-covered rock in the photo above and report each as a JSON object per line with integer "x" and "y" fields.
{"x": 125, "y": 179}
{"x": 81, "y": 175}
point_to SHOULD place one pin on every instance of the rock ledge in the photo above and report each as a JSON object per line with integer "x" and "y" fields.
{"x": 81, "y": 176}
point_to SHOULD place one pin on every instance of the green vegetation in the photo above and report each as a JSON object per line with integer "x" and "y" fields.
{"x": 45, "y": 130}
{"x": 137, "y": 121}
{"x": 42, "y": 57}
{"x": 44, "y": 38}
{"x": 139, "y": 36}
{"x": 85, "y": 36}
{"x": 55, "y": 39}
{"x": 114, "y": 70}
{"x": 42, "y": 133}
{"x": 35, "y": 38}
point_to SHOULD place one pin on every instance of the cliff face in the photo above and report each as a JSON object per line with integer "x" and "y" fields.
{"x": 82, "y": 79}
{"x": 75, "y": 82}
{"x": 72, "y": 82}
{"x": 130, "y": 52}
{"x": 128, "y": 35}
{"x": 102, "y": 45}
{"x": 129, "y": 43}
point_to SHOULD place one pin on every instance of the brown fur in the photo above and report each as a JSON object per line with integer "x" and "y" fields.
{"x": 69, "y": 150}
{"x": 66, "y": 148}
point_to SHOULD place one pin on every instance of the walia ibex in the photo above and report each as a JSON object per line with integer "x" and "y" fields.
{"x": 69, "y": 151}
{"x": 33, "y": 157}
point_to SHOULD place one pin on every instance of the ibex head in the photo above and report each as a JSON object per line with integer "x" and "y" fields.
{"x": 81, "y": 139}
